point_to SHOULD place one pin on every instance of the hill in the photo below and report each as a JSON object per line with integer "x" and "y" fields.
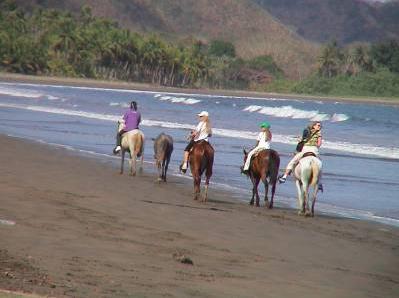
{"x": 250, "y": 28}
{"x": 346, "y": 21}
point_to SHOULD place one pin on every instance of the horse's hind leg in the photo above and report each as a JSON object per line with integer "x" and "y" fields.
{"x": 273, "y": 183}
{"x": 122, "y": 161}
{"x": 314, "y": 200}
{"x": 166, "y": 168}
{"x": 141, "y": 163}
{"x": 266, "y": 183}
{"x": 255, "y": 189}
{"x": 197, "y": 182}
{"x": 301, "y": 203}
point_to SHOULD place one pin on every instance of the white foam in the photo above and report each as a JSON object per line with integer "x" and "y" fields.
{"x": 366, "y": 149}
{"x": 187, "y": 101}
{"x": 156, "y": 94}
{"x": 19, "y": 92}
{"x": 290, "y": 112}
{"x": 116, "y": 104}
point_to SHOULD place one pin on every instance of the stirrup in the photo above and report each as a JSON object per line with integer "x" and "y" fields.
{"x": 320, "y": 187}
{"x": 282, "y": 179}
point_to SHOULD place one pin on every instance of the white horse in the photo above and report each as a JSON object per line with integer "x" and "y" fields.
{"x": 307, "y": 174}
{"x": 132, "y": 142}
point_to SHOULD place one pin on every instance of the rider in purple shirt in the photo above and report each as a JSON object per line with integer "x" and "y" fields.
{"x": 132, "y": 120}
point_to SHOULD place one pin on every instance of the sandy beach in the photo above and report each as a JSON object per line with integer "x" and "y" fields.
{"x": 71, "y": 226}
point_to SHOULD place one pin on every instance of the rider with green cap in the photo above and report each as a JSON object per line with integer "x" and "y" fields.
{"x": 262, "y": 142}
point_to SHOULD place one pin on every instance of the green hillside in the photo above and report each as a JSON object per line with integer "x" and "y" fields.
{"x": 250, "y": 28}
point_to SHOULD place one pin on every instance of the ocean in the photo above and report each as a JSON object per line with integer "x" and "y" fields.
{"x": 360, "y": 150}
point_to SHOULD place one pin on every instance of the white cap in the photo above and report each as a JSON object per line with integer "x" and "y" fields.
{"x": 203, "y": 113}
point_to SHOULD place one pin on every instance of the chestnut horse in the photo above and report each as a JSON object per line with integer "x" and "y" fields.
{"x": 264, "y": 166}
{"x": 201, "y": 159}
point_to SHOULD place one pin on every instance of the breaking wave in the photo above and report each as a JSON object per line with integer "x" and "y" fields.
{"x": 290, "y": 112}
{"x": 364, "y": 149}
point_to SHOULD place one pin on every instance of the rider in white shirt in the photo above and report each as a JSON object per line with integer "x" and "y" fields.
{"x": 263, "y": 142}
{"x": 202, "y": 132}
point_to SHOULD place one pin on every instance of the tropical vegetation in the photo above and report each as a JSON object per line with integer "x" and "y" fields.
{"x": 58, "y": 43}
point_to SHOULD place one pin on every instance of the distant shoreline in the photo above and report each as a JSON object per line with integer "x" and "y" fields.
{"x": 11, "y": 77}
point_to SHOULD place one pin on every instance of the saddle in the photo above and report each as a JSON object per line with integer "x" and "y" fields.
{"x": 308, "y": 154}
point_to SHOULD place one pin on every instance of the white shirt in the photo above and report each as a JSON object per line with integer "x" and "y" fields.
{"x": 202, "y": 134}
{"x": 263, "y": 142}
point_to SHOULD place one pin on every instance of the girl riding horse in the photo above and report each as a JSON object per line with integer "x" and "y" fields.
{"x": 311, "y": 146}
{"x": 202, "y": 132}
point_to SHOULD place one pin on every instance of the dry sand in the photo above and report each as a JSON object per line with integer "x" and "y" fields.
{"x": 83, "y": 230}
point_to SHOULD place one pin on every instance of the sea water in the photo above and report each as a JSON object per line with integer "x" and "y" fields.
{"x": 360, "y": 150}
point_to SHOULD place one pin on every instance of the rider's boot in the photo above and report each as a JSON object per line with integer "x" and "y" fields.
{"x": 183, "y": 166}
{"x": 283, "y": 178}
{"x": 117, "y": 149}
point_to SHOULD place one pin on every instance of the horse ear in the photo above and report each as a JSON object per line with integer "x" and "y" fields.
{"x": 245, "y": 151}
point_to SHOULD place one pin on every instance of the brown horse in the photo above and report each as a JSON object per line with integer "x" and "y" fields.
{"x": 163, "y": 148}
{"x": 264, "y": 166}
{"x": 201, "y": 159}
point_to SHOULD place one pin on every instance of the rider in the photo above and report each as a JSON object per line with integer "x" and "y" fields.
{"x": 132, "y": 119}
{"x": 262, "y": 142}
{"x": 312, "y": 144}
{"x": 201, "y": 132}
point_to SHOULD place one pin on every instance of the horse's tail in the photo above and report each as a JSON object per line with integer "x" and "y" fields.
{"x": 315, "y": 173}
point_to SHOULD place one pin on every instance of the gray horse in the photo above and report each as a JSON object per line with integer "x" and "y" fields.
{"x": 163, "y": 147}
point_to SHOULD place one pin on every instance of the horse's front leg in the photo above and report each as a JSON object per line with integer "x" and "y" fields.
{"x": 122, "y": 161}
{"x": 253, "y": 190}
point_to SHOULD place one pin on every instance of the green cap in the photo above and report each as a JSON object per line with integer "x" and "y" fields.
{"x": 265, "y": 124}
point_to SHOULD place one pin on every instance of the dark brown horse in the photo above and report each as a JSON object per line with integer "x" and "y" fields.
{"x": 201, "y": 160}
{"x": 264, "y": 166}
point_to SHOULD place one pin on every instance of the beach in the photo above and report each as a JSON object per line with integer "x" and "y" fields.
{"x": 71, "y": 226}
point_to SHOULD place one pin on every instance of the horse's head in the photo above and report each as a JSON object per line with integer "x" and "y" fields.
{"x": 121, "y": 124}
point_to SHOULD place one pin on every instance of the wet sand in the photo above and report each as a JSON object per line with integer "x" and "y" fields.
{"x": 71, "y": 226}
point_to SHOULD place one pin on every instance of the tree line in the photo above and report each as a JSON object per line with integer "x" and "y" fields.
{"x": 57, "y": 43}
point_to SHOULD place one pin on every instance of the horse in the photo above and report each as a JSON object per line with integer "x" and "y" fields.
{"x": 264, "y": 166}
{"x": 307, "y": 174}
{"x": 132, "y": 142}
{"x": 163, "y": 147}
{"x": 201, "y": 160}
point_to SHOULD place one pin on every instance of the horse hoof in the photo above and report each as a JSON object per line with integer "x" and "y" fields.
{"x": 301, "y": 213}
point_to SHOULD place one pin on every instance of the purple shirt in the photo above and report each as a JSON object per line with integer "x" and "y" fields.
{"x": 132, "y": 120}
